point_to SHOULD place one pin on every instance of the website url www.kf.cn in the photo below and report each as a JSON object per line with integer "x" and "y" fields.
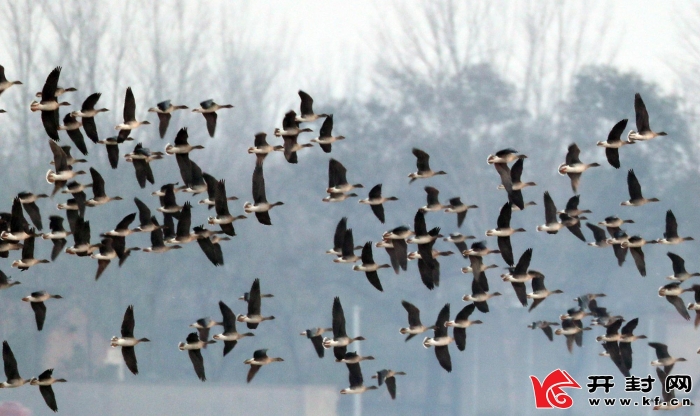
{"x": 646, "y": 401}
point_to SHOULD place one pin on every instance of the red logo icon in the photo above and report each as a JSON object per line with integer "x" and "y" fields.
{"x": 549, "y": 393}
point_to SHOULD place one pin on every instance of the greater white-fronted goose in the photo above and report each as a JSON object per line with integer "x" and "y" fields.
{"x": 158, "y": 240}
{"x": 340, "y": 340}
{"x": 87, "y": 114}
{"x": 254, "y": 317}
{"x": 11, "y": 371}
{"x": 28, "y": 259}
{"x": 415, "y": 326}
{"x": 59, "y": 91}
{"x": 635, "y": 191}
{"x": 184, "y": 223}
{"x": 127, "y": 340}
{"x": 423, "y": 165}
{"x": 316, "y": 337}
{"x": 573, "y": 166}
{"x": 290, "y": 126}
{"x": 520, "y": 274}
{"x": 259, "y": 359}
{"x": 551, "y": 225}
{"x": 460, "y": 325}
{"x": 325, "y": 137}
{"x": 441, "y": 340}
{"x": 81, "y": 236}
{"x": 130, "y": 122}
{"x": 352, "y": 357}
{"x": 98, "y": 190}
{"x": 695, "y": 306}
{"x": 37, "y": 299}
{"x": 168, "y": 202}
{"x": 210, "y": 247}
{"x": 612, "y": 347}
{"x": 165, "y": 109}
{"x": 459, "y": 241}
{"x": 516, "y": 172}
{"x": 212, "y": 186}
{"x": 475, "y": 254}
{"x": 19, "y": 228}
{"x": 433, "y": 203}
{"x": 49, "y": 105}
{"x": 670, "y": 235}
{"x": 337, "y": 181}
{"x": 347, "y": 254}
{"x": 146, "y": 224}
{"x": 208, "y": 109}
{"x": 480, "y": 295}
{"x": 572, "y": 208}
{"x": 546, "y": 327}
{"x": 370, "y": 267}
{"x": 306, "y": 108}
{"x": 504, "y": 156}
{"x": 601, "y": 316}
{"x": 291, "y": 147}
{"x": 28, "y": 201}
{"x": 4, "y": 83}
{"x": 64, "y": 172}
{"x": 70, "y": 160}
{"x": 572, "y": 329}
{"x": 456, "y": 206}
{"x": 614, "y": 143}
{"x": 338, "y": 197}
{"x": 122, "y": 229}
{"x": 500, "y": 161}
{"x": 193, "y": 346}
{"x": 45, "y": 381}
{"x": 181, "y": 145}
{"x": 375, "y": 201}
{"x": 672, "y": 292}
{"x": 104, "y": 256}
{"x": 6, "y": 282}
{"x": 601, "y": 240}
{"x": 142, "y": 157}
{"x": 679, "y": 272}
{"x": 339, "y": 237}
{"x": 112, "y": 146}
{"x": 573, "y": 224}
{"x": 428, "y": 265}
{"x": 434, "y": 254}
{"x": 421, "y": 234}
{"x": 192, "y": 175}
{"x": 203, "y": 325}
{"x": 388, "y": 376}
{"x": 503, "y": 231}
{"x": 663, "y": 358}
{"x": 72, "y": 126}
{"x": 539, "y": 291}
{"x": 356, "y": 382}
{"x": 627, "y": 337}
{"x": 634, "y": 244}
{"x": 399, "y": 248}
{"x": 479, "y": 249}
{"x": 261, "y": 148}
{"x": 643, "y": 132}
{"x": 223, "y": 216}
{"x": 260, "y": 206}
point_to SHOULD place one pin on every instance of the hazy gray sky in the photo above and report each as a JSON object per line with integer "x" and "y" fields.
{"x": 335, "y": 38}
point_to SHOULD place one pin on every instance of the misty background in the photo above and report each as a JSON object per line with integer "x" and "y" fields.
{"x": 459, "y": 80}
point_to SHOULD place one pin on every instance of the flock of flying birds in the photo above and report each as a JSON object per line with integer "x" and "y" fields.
{"x": 16, "y": 233}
